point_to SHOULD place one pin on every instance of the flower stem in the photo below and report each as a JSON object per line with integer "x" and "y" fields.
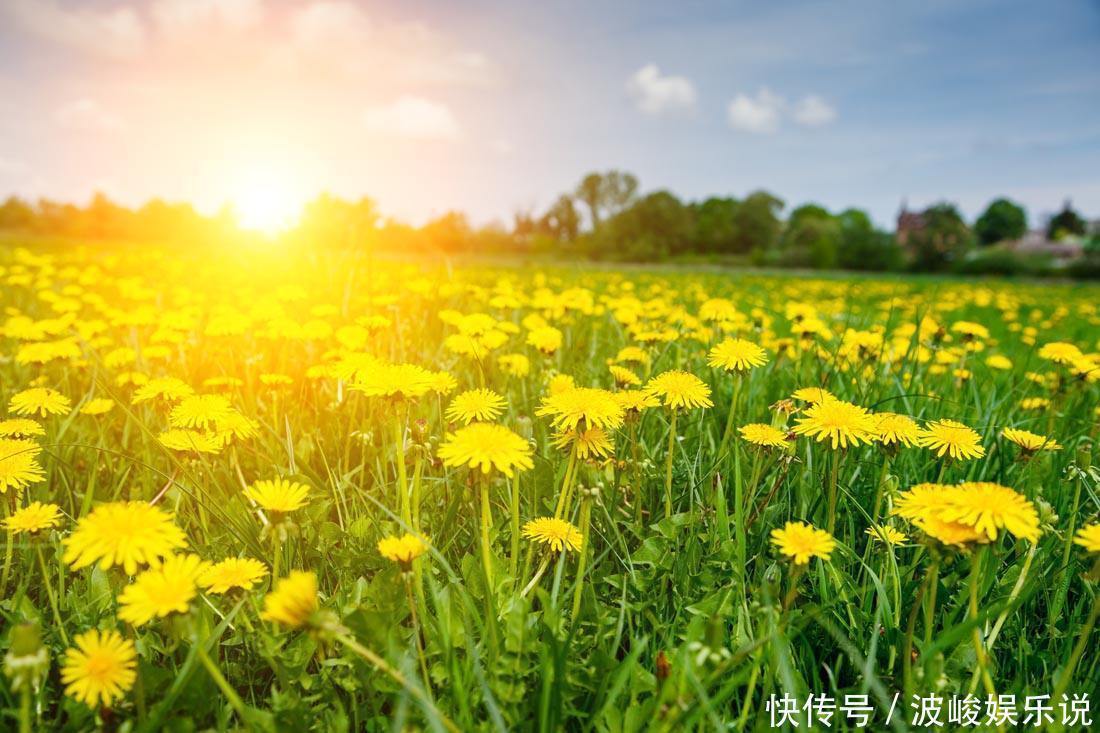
{"x": 834, "y": 470}
{"x": 515, "y": 526}
{"x": 535, "y": 578}
{"x": 979, "y": 648}
{"x": 586, "y": 520}
{"x": 50, "y": 593}
{"x": 219, "y": 680}
{"x": 486, "y": 522}
{"x": 416, "y": 635}
{"x": 668, "y": 464}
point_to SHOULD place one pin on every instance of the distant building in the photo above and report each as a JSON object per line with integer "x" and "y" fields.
{"x": 909, "y": 222}
{"x": 1036, "y": 242}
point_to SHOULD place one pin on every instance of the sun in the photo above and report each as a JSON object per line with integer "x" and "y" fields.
{"x": 266, "y": 202}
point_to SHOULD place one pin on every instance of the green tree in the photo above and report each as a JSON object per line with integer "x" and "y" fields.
{"x": 1002, "y": 220}
{"x": 562, "y": 221}
{"x": 17, "y": 214}
{"x": 811, "y": 238}
{"x": 1066, "y": 222}
{"x": 606, "y": 194}
{"x": 862, "y": 246}
{"x": 756, "y": 223}
{"x": 653, "y": 227}
{"x": 943, "y": 239}
{"x": 715, "y": 226}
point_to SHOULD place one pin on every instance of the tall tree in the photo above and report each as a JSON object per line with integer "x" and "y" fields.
{"x": 1002, "y": 220}
{"x": 561, "y": 220}
{"x": 1065, "y": 223}
{"x": 943, "y": 239}
{"x": 606, "y": 194}
{"x": 812, "y": 237}
{"x": 715, "y": 226}
{"x": 756, "y": 222}
{"x": 653, "y": 227}
{"x": 862, "y": 246}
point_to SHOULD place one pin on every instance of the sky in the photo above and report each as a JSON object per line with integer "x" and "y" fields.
{"x": 492, "y": 107}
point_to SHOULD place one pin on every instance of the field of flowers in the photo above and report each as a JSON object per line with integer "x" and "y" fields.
{"x": 299, "y": 492}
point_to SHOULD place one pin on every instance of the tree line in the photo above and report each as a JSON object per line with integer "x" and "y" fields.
{"x": 607, "y": 217}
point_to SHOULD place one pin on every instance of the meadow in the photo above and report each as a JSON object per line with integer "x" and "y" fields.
{"x": 283, "y": 491}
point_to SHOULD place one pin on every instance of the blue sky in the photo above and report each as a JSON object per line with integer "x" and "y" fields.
{"x": 492, "y": 107}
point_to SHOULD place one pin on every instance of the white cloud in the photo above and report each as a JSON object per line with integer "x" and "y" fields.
{"x": 173, "y": 16}
{"x": 87, "y": 114}
{"x": 655, "y": 94}
{"x": 335, "y": 26}
{"x": 759, "y": 115}
{"x": 414, "y": 118}
{"x": 114, "y": 32}
{"x": 813, "y": 111}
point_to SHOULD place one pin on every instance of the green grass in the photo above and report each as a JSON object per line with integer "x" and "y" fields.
{"x": 688, "y": 622}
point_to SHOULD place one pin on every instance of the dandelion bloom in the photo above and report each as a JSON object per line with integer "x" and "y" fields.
{"x": 557, "y": 534}
{"x": 1060, "y": 352}
{"x": 190, "y": 441}
{"x": 1034, "y": 403}
{"x": 633, "y": 401}
{"x": 989, "y": 507}
{"x": 97, "y": 406}
{"x": 764, "y": 435}
{"x": 399, "y": 381}
{"x": 735, "y": 354}
{"x": 886, "y": 534}
{"x": 402, "y": 550}
{"x": 168, "y": 389}
{"x": 278, "y": 495}
{"x": 202, "y": 412}
{"x": 840, "y": 423}
{"x": 19, "y": 464}
{"x": 1089, "y": 537}
{"x": 894, "y": 429}
{"x": 20, "y": 427}
{"x": 680, "y": 389}
{"x": 570, "y": 407}
{"x": 476, "y": 405}
{"x": 516, "y": 365}
{"x": 233, "y": 572}
{"x": 99, "y": 668}
{"x": 486, "y": 446}
{"x": 122, "y": 533}
{"x": 40, "y": 401}
{"x": 813, "y": 395}
{"x": 800, "y": 542}
{"x": 623, "y": 376}
{"x": 546, "y": 339}
{"x": 34, "y": 517}
{"x": 998, "y": 361}
{"x": 591, "y": 443}
{"x": 163, "y": 589}
{"x": 951, "y": 438}
{"x": 293, "y": 601}
{"x": 1030, "y": 442}
{"x": 969, "y": 512}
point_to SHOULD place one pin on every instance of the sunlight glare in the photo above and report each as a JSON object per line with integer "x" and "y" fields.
{"x": 267, "y": 202}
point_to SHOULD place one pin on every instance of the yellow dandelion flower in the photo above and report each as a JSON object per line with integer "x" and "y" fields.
{"x": 1060, "y": 352}
{"x": 278, "y": 495}
{"x": 1029, "y": 441}
{"x": 476, "y": 405}
{"x": 1034, "y": 403}
{"x": 951, "y": 438}
{"x": 557, "y": 534}
{"x": 801, "y": 542}
{"x": 34, "y": 517}
{"x": 894, "y": 429}
{"x": 233, "y": 572}
{"x": 516, "y": 365}
{"x": 764, "y": 435}
{"x": 1089, "y": 537}
{"x": 679, "y": 389}
{"x": 20, "y": 427}
{"x": 41, "y": 401}
{"x": 840, "y": 423}
{"x": 546, "y": 339}
{"x": 166, "y": 588}
{"x": 571, "y": 407}
{"x": 735, "y": 354}
{"x": 886, "y": 534}
{"x": 591, "y": 443}
{"x": 399, "y": 381}
{"x": 813, "y": 395}
{"x": 19, "y": 464}
{"x": 486, "y": 446}
{"x": 100, "y": 668}
{"x": 633, "y": 401}
{"x": 97, "y": 406}
{"x": 168, "y": 389}
{"x": 202, "y": 412}
{"x": 190, "y": 441}
{"x": 988, "y": 507}
{"x": 402, "y": 550}
{"x": 122, "y": 533}
{"x": 623, "y": 376}
{"x": 294, "y": 600}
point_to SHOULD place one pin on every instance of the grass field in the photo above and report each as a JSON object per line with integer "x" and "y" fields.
{"x": 278, "y": 491}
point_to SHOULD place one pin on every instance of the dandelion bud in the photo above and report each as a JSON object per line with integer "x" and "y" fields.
{"x": 27, "y": 660}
